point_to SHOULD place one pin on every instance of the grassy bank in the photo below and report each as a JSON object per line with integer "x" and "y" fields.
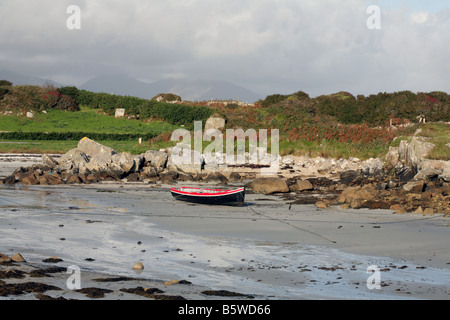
{"x": 85, "y": 120}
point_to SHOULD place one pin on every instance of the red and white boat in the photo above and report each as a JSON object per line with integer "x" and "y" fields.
{"x": 209, "y": 196}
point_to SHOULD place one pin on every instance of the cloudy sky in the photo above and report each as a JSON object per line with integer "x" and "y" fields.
{"x": 268, "y": 46}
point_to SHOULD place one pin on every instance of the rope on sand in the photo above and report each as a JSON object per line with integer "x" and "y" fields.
{"x": 290, "y": 224}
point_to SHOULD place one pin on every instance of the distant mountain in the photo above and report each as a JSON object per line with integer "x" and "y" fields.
{"x": 23, "y": 79}
{"x": 191, "y": 90}
{"x": 187, "y": 89}
{"x": 120, "y": 85}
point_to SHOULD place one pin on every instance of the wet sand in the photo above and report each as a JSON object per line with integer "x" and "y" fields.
{"x": 267, "y": 249}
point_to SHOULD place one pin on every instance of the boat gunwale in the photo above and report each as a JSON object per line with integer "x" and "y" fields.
{"x": 205, "y": 194}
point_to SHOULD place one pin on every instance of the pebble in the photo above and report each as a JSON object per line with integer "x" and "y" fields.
{"x": 138, "y": 266}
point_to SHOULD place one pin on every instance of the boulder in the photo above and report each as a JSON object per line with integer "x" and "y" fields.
{"x": 414, "y": 186}
{"x": 73, "y": 156}
{"x": 185, "y": 160}
{"x": 54, "y": 179}
{"x": 366, "y": 193}
{"x": 10, "y": 179}
{"x": 216, "y": 177}
{"x": 49, "y": 161}
{"x": 150, "y": 172}
{"x": 419, "y": 210}
{"x": 215, "y": 122}
{"x": 125, "y": 161}
{"x": 120, "y": 113}
{"x": 398, "y": 208}
{"x": 73, "y": 179}
{"x": 427, "y": 173}
{"x": 17, "y": 258}
{"x": 268, "y": 185}
{"x": 392, "y": 157}
{"x": 446, "y": 172}
{"x": 321, "y": 205}
{"x": 414, "y": 152}
{"x": 91, "y": 148}
{"x": 30, "y": 179}
{"x": 99, "y": 162}
{"x": 4, "y": 258}
{"x": 372, "y": 166}
{"x": 302, "y": 185}
{"x": 158, "y": 159}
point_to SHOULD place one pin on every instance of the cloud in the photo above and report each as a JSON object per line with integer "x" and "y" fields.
{"x": 269, "y": 46}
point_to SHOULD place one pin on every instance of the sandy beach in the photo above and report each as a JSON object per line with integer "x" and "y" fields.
{"x": 267, "y": 249}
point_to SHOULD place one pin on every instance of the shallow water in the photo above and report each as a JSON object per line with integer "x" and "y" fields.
{"x": 231, "y": 248}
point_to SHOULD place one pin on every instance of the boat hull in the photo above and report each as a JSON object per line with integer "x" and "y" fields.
{"x": 208, "y": 196}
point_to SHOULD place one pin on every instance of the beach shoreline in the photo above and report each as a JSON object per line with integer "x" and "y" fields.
{"x": 267, "y": 249}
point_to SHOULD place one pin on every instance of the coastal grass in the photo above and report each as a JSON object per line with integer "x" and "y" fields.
{"x": 439, "y": 135}
{"x": 95, "y": 121}
{"x": 85, "y": 120}
{"x": 333, "y": 149}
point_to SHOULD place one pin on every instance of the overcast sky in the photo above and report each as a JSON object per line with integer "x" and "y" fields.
{"x": 268, "y": 46}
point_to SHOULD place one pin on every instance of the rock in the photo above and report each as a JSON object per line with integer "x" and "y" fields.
{"x": 150, "y": 172}
{"x": 235, "y": 176}
{"x": 302, "y": 185}
{"x": 10, "y": 179}
{"x": 321, "y": 204}
{"x": 49, "y": 161}
{"x": 120, "y": 113}
{"x": 215, "y": 122}
{"x": 414, "y": 186}
{"x": 269, "y": 185}
{"x": 73, "y": 156}
{"x": 355, "y": 203}
{"x": 372, "y": 166}
{"x": 17, "y": 258}
{"x": 91, "y": 148}
{"x": 366, "y": 193}
{"x": 185, "y": 160}
{"x": 157, "y": 159}
{"x": 348, "y": 176}
{"x": 398, "y": 208}
{"x": 216, "y": 177}
{"x": 4, "y": 258}
{"x": 428, "y": 211}
{"x": 125, "y": 161}
{"x": 30, "y": 180}
{"x": 73, "y": 179}
{"x": 427, "y": 173}
{"x": 446, "y": 172}
{"x": 138, "y": 266}
{"x": 405, "y": 174}
{"x": 30, "y": 115}
{"x": 414, "y": 152}
{"x": 54, "y": 179}
{"x": 393, "y": 156}
{"x": 99, "y": 162}
{"x": 419, "y": 210}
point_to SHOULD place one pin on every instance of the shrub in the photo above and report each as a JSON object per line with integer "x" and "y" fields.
{"x": 3, "y": 92}
{"x": 71, "y": 92}
{"x": 5, "y": 83}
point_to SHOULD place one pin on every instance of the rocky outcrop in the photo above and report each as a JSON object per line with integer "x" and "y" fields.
{"x": 351, "y": 183}
{"x": 268, "y": 185}
{"x": 215, "y": 122}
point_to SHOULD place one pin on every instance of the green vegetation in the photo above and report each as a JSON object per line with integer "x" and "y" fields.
{"x": 336, "y": 125}
{"x": 87, "y": 120}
